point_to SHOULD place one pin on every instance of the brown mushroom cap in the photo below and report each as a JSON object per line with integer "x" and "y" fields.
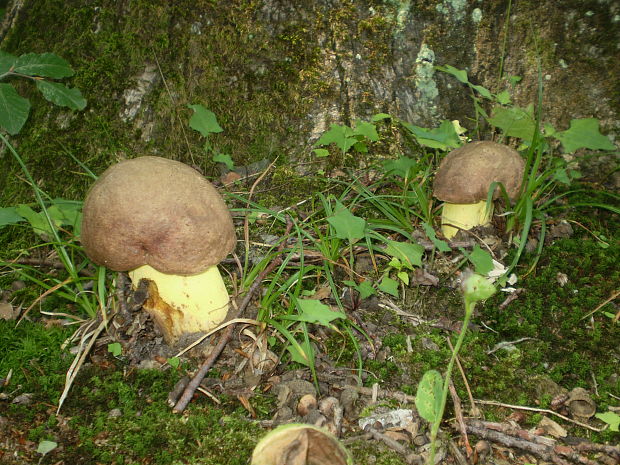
{"x": 466, "y": 173}
{"x": 158, "y": 212}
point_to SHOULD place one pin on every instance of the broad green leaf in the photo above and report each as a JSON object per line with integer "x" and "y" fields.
{"x": 346, "y": 224}
{"x": 365, "y": 289}
{"x": 204, "y": 121}
{"x": 584, "y": 133}
{"x": 36, "y": 219}
{"x": 409, "y": 254}
{"x": 115, "y": 349}
{"x": 404, "y": 277}
{"x": 503, "y": 97}
{"x": 224, "y": 158}
{"x": 611, "y": 418}
{"x": 444, "y": 137}
{"x": 321, "y": 153}
{"x": 44, "y": 64}
{"x": 428, "y": 396}
{"x": 403, "y": 167}
{"x": 483, "y": 91}
{"x": 61, "y": 95}
{"x": 174, "y": 362}
{"x": 460, "y": 74}
{"x": 480, "y": 258}
{"x": 14, "y": 109}
{"x": 6, "y": 62}
{"x": 313, "y": 311}
{"x": 8, "y": 215}
{"x": 301, "y": 353}
{"x": 65, "y": 212}
{"x": 442, "y": 246}
{"x": 366, "y": 129}
{"x": 389, "y": 286}
{"x": 342, "y": 136}
{"x": 514, "y": 121}
{"x": 360, "y": 146}
{"x": 46, "y": 447}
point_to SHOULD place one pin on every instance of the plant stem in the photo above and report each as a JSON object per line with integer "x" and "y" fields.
{"x": 469, "y": 309}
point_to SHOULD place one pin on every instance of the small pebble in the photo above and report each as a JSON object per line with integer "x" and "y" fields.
{"x": 115, "y": 413}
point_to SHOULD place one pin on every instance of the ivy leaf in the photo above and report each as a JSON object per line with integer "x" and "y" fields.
{"x": 428, "y": 396}
{"x": 8, "y": 215}
{"x": 389, "y": 286}
{"x": 409, "y": 254}
{"x": 364, "y": 288}
{"x": 346, "y": 224}
{"x": 514, "y": 121}
{"x": 44, "y": 64}
{"x": 61, "y": 95}
{"x": 14, "y": 109}
{"x": 6, "y": 62}
{"x": 584, "y": 133}
{"x": 204, "y": 121}
{"x": 115, "y": 349}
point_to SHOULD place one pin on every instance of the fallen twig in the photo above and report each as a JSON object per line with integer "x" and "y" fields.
{"x": 192, "y": 386}
{"x": 458, "y": 413}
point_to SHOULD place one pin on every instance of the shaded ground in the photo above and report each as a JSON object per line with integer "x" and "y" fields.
{"x": 117, "y": 413}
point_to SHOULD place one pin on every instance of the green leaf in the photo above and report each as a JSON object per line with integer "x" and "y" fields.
{"x": 480, "y": 258}
{"x": 503, "y": 97}
{"x": 611, "y": 418}
{"x": 321, "y": 153}
{"x": 409, "y": 254}
{"x": 584, "y": 133}
{"x": 514, "y": 121}
{"x": 115, "y": 349}
{"x": 342, "y": 136}
{"x": 389, "y": 286}
{"x": 37, "y": 220}
{"x": 65, "y": 212}
{"x": 46, "y": 447}
{"x": 44, "y": 64}
{"x": 174, "y": 362}
{"x": 366, "y": 129}
{"x": 483, "y": 91}
{"x": 404, "y": 167}
{"x": 460, "y": 74}
{"x": 346, "y": 224}
{"x": 204, "y": 121}
{"x": 301, "y": 353}
{"x": 380, "y": 117}
{"x": 444, "y": 137}
{"x": 428, "y": 396}
{"x": 6, "y": 62}
{"x": 442, "y": 246}
{"x": 224, "y": 158}
{"x": 365, "y": 289}
{"x": 14, "y": 109}
{"x": 404, "y": 277}
{"x": 313, "y": 311}
{"x": 61, "y": 95}
{"x": 8, "y": 215}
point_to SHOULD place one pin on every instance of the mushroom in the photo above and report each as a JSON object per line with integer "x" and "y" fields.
{"x": 464, "y": 178}
{"x": 160, "y": 220}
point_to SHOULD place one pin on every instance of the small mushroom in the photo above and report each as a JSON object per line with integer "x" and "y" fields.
{"x": 463, "y": 180}
{"x": 580, "y": 404}
{"x": 162, "y": 221}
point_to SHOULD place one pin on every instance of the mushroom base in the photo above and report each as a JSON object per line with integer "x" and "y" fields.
{"x": 457, "y": 216}
{"x": 183, "y": 304}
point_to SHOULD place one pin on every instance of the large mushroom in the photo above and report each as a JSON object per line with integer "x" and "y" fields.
{"x": 464, "y": 178}
{"x": 160, "y": 220}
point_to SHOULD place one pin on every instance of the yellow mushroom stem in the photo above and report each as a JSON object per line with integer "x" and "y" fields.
{"x": 457, "y": 216}
{"x": 183, "y": 304}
